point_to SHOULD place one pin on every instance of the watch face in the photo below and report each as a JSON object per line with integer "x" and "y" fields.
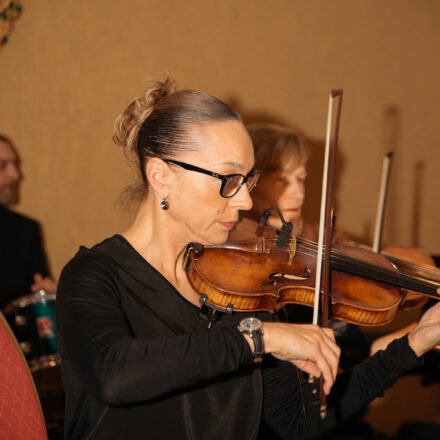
{"x": 250, "y": 324}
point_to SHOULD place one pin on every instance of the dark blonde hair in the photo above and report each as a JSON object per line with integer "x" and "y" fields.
{"x": 277, "y": 147}
{"x": 158, "y": 123}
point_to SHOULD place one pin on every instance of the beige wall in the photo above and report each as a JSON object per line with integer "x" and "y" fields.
{"x": 71, "y": 66}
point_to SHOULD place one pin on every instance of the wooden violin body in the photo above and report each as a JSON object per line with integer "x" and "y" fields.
{"x": 255, "y": 274}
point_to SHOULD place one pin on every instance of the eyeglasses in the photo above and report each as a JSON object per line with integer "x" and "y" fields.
{"x": 231, "y": 183}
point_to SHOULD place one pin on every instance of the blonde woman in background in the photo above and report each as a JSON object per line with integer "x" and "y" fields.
{"x": 282, "y": 154}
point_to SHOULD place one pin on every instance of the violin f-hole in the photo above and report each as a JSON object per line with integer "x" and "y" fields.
{"x": 275, "y": 276}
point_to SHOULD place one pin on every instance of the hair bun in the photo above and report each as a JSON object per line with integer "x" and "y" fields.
{"x": 159, "y": 89}
{"x": 128, "y": 124}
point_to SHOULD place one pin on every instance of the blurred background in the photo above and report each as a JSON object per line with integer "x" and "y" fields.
{"x": 70, "y": 67}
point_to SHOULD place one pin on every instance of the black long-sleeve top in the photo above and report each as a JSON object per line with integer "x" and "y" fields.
{"x": 139, "y": 362}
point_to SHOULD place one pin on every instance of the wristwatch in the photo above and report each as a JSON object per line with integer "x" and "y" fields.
{"x": 254, "y": 328}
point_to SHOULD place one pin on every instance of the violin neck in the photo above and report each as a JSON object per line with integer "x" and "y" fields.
{"x": 352, "y": 266}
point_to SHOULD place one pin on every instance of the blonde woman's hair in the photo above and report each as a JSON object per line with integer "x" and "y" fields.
{"x": 277, "y": 147}
{"x": 158, "y": 123}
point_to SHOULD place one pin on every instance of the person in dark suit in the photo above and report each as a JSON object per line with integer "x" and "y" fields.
{"x": 23, "y": 267}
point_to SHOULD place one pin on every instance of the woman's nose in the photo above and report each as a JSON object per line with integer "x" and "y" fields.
{"x": 296, "y": 191}
{"x": 244, "y": 199}
{"x": 301, "y": 193}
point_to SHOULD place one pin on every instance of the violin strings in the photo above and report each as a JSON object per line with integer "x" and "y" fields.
{"x": 344, "y": 263}
{"x": 351, "y": 265}
{"x": 433, "y": 274}
{"x": 356, "y": 267}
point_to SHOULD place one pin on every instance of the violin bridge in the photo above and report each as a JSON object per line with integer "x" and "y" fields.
{"x": 292, "y": 250}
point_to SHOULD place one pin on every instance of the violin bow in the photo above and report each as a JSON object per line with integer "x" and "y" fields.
{"x": 386, "y": 167}
{"x": 325, "y": 227}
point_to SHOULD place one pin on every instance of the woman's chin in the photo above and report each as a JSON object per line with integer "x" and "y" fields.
{"x": 214, "y": 239}
{"x": 292, "y": 217}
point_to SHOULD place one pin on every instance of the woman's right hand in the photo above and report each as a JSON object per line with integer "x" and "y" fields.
{"x": 311, "y": 348}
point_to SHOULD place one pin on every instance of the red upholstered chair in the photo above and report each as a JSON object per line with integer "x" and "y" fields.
{"x": 21, "y": 417}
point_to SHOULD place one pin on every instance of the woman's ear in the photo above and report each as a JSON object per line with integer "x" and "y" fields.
{"x": 159, "y": 176}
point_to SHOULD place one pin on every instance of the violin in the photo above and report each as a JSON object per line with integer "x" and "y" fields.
{"x": 262, "y": 276}
{"x": 415, "y": 263}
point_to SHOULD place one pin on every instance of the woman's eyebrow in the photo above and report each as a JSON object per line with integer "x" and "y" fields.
{"x": 233, "y": 164}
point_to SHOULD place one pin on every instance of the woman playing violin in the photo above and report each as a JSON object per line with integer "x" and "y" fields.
{"x": 138, "y": 359}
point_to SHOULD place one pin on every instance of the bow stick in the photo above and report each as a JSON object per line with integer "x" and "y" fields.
{"x": 382, "y": 199}
{"x": 325, "y": 227}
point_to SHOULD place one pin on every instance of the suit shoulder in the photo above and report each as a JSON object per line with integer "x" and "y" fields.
{"x": 16, "y": 218}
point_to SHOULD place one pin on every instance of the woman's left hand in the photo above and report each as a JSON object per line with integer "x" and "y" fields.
{"x": 427, "y": 333}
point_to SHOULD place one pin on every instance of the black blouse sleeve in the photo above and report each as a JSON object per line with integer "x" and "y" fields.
{"x": 287, "y": 406}
{"x": 115, "y": 366}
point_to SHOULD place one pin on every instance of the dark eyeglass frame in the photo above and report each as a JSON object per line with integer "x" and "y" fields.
{"x": 224, "y": 178}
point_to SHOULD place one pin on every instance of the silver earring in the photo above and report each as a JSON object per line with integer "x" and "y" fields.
{"x": 164, "y": 205}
